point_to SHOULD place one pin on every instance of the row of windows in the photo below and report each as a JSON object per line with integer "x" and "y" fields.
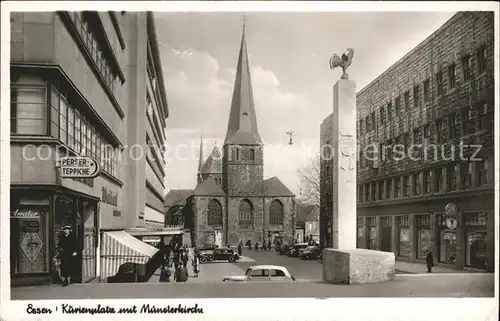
{"x": 76, "y": 131}
{"x": 466, "y": 121}
{"x": 90, "y": 39}
{"x": 214, "y": 215}
{"x": 389, "y": 111}
{"x": 29, "y": 117}
{"x": 422, "y": 220}
{"x": 430, "y": 181}
{"x": 248, "y": 154}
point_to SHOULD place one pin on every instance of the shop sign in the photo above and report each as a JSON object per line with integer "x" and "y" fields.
{"x": 451, "y": 209}
{"x": 30, "y": 226}
{"x": 79, "y": 167}
{"x": 109, "y": 197}
{"x": 24, "y": 214}
{"x": 451, "y": 223}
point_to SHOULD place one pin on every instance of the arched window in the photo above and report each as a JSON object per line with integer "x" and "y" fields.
{"x": 246, "y": 215}
{"x": 214, "y": 213}
{"x": 276, "y": 213}
{"x": 252, "y": 154}
{"x": 237, "y": 151}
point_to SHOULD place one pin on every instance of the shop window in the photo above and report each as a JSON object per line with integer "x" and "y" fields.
{"x": 372, "y": 233}
{"x": 28, "y": 110}
{"x": 482, "y": 172}
{"x": 423, "y": 235}
{"x": 405, "y": 244}
{"x": 476, "y": 248}
{"x": 360, "y": 232}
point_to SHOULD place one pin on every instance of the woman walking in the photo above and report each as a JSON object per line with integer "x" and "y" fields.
{"x": 196, "y": 264}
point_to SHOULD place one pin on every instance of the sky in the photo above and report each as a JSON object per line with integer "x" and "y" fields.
{"x": 292, "y": 83}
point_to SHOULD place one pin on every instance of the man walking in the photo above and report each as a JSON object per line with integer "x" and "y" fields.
{"x": 68, "y": 248}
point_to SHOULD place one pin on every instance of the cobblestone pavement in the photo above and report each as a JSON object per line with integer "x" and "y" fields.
{"x": 404, "y": 285}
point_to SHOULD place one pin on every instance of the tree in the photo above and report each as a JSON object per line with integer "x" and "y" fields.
{"x": 309, "y": 174}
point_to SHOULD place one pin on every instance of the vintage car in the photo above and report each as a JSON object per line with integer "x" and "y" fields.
{"x": 310, "y": 253}
{"x": 263, "y": 273}
{"x": 295, "y": 250}
{"x": 219, "y": 254}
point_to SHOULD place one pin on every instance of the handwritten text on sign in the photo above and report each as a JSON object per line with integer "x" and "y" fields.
{"x": 79, "y": 167}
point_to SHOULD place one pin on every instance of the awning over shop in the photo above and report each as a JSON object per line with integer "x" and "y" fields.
{"x": 119, "y": 247}
{"x": 155, "y": 231}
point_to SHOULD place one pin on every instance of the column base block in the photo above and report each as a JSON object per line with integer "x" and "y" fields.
{"x": 357, "y": 266}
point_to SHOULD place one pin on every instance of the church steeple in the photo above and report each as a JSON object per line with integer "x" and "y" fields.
{"x": 242, "y": 126}
{"x": 200, "y": 161}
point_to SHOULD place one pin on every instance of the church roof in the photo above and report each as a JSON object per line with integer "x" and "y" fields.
{"x": 213, "y": 163}
{"x": 274, "y": 187}
{"x": 208, "y": 188}
{"x": 177, "y": 197}
{"x": 242, "y": 125}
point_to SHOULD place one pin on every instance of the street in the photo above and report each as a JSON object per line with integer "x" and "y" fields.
{"x": 308, "y": 273}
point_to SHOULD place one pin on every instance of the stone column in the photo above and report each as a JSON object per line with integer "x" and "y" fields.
{"x": 434, "y": 236}
{"x": 460, "y": 247}
{"x": 490, "y": 239}
{"x": 379, "y": 232}
{"x": 344, "y": 164}
{"x": 413, "y": 237}
{"x": 394, "y": 235}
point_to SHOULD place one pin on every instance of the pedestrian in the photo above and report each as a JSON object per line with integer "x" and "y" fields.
{"x": 264, "y": 248}
{"x": 256, "y": 246}
{"x": 181, "y": 274}
{"x": 68, "y": 248}
{"x": 165, "y": 274}
{"x": 228, "y": 245}
{"x": 240, "y": 249}
{"x": 429, "y": 259}
{"x": 249, "y": 243}
{"x": 56, "y": 268}
{"x": 196, "y": 265}
{"x": 185, "y": 257}
{"x": 269, "y": 245}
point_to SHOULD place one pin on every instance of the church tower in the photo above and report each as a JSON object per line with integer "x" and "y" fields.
{"x": 242, "y": 162}
{"x": 243, "y": 148}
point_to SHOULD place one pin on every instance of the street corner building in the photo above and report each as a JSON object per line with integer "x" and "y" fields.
{"x": 84, "y": 84}
{"x": 232, "y": 201}
{"x": 438, "y": 96}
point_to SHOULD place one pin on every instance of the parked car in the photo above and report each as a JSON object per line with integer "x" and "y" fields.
{"x": 263, "y": 273}
{"x": 310, "y": 253}
{"x": 295, "y": 250}
{"x": 219, "y": 254}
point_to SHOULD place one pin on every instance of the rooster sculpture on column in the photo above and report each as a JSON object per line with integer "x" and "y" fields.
{"x": 344, "y": 62}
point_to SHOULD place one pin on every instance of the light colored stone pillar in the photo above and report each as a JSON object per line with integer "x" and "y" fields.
{"x": 344, "y": 164}
{"x": 394, "y": 235}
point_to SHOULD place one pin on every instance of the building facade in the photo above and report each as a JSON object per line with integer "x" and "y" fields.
{"x": 80, "y": 92}
{"x": 232, "y": 201}
{"x": 425, "y": 140}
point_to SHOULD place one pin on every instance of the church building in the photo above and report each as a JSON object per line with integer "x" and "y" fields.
{"x": 232, "y": 201}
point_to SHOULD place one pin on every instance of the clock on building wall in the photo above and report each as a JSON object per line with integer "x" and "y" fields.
{"x": 451, "y": 209}
{"x": 451, "y": 223}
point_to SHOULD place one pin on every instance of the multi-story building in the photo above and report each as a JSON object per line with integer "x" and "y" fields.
{"x": 82, "y": 84}
{"x": 429, "y": 121}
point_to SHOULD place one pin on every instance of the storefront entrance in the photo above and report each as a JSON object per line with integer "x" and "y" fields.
{"x": 35, "y": 226}
{"x": 385, "y": 234}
